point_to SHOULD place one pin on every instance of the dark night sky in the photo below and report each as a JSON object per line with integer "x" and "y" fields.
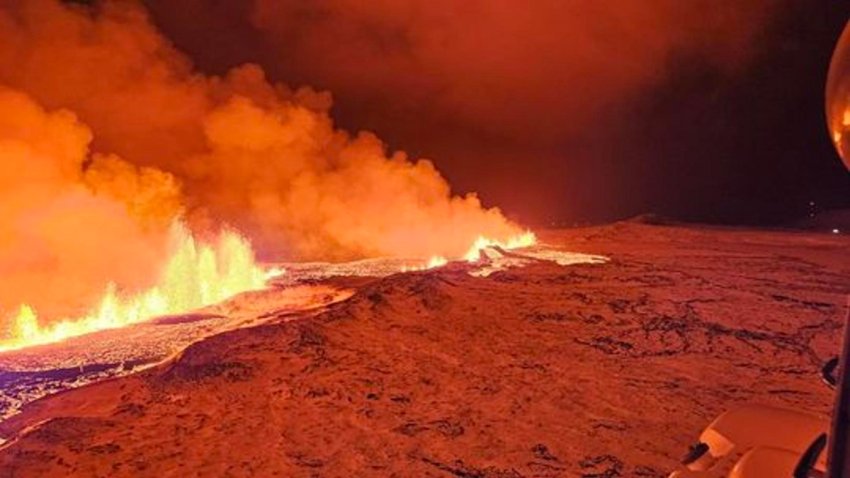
{"x": 706, "y": 111}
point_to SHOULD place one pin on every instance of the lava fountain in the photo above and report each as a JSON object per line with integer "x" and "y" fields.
{"x": 197, "y": 274}
{"x": 96, "y": 161}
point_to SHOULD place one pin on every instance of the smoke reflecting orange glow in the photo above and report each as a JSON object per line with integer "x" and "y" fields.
{"x": 98, "y": 161}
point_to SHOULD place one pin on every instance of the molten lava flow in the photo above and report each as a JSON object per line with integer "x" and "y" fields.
{"x": 525, "y": 239}
{"x": 433, "y": 263}
{"x": 196, "y": 275}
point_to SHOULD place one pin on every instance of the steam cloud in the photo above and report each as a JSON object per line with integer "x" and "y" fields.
{"x": 107, "y": 131}
{"x": 107, "y": 134}
{"x": 546, "y": 96}
{"x": 60, "y": 241}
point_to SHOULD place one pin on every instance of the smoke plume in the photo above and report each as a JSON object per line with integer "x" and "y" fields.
{"x": 538, "y": 105}
{"x": 107, "y": 134}
{"x": 259, "y": 156}
{"x": 62, "y": 241}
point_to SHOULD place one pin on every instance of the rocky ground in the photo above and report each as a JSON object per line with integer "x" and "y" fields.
{"x": 587, "y": 370}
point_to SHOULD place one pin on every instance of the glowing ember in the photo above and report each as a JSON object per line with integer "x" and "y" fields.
{"x": 196, "y": 275}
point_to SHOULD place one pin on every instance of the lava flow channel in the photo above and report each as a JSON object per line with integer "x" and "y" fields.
{"x": 195, "y": 276}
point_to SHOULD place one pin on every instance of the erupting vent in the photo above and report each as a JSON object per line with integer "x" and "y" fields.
{"x": 196, "y": 275}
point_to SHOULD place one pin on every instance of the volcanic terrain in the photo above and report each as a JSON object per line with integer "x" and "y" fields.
{"x": 598, "y": 369}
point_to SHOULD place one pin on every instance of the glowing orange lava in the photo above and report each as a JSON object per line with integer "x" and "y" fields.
{"x": 196, "y": 275}
{"x": 525, "y": 239}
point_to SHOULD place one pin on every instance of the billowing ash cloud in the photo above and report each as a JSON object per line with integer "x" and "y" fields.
{"x": 531, "y": 103}
{"x": 254, "y": 154}
{"x": 107, "y": 133}
{"x": 66, "y": 231}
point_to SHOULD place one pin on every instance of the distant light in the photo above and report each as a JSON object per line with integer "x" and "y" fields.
{"x": 811, "y": 203}
{"x": 836, "y": 231}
